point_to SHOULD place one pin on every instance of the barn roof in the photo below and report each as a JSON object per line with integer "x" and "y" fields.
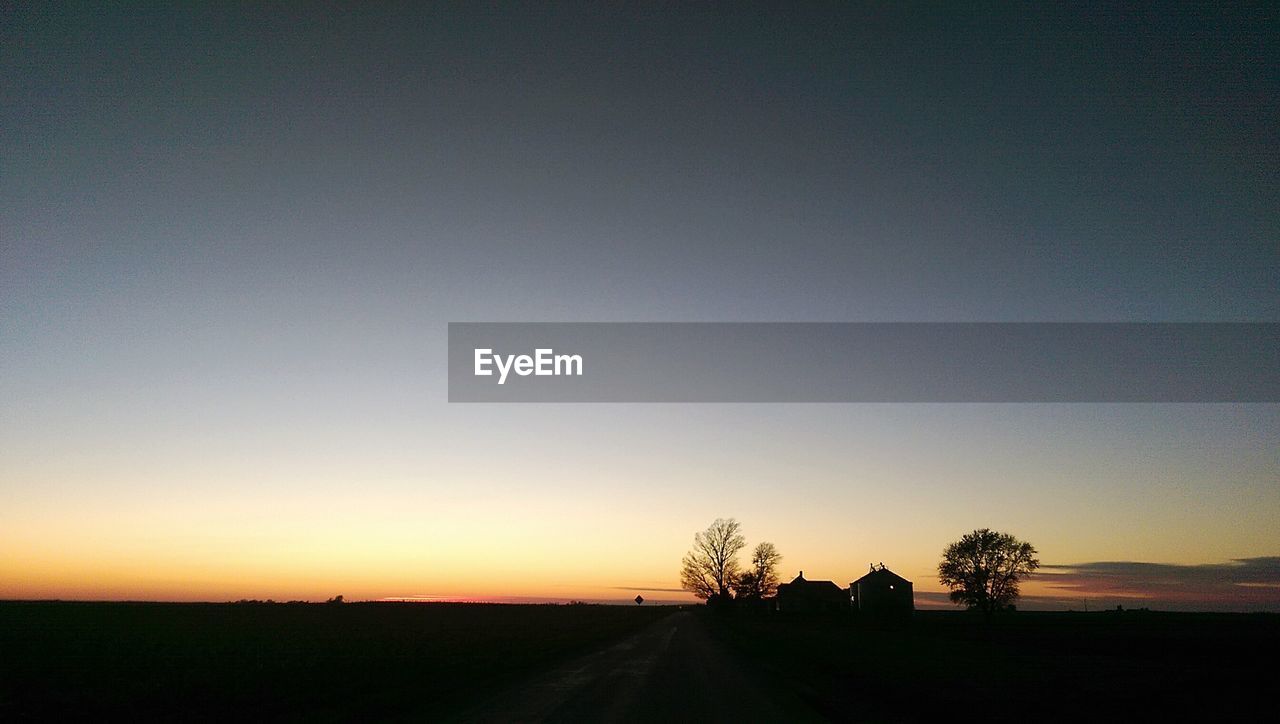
{"x": 881, "y": 574}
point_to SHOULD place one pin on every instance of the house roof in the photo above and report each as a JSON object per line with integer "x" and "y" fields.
{"x": 802, "y": 583}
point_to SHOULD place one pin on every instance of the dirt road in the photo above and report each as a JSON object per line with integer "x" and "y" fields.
{"x": 671, "y": 671}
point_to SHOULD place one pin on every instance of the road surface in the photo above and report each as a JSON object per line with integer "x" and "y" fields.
{"x": 670, "y": 671}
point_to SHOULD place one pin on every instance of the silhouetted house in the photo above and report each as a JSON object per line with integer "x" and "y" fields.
{"x": 801, "y": 595}
{"x": 882, "y": 593}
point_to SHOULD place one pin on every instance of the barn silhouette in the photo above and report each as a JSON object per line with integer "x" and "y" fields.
{"x": 880, "y": 592}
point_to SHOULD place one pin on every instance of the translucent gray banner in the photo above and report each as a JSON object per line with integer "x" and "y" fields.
{"x": 863, "y": 362}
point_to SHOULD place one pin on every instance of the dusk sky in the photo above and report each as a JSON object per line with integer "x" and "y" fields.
{"x": 231, "y": 241}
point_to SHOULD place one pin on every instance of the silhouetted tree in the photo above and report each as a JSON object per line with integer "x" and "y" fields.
{"x": 761, "y": 579}
{"x": 983, "y": 568}
{"x": 711, "y": 566}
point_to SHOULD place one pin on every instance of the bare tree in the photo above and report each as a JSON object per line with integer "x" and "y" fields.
{"x": 762, "y": 578}
{"x": 983, "y": 569}
{"x": 711, "y": 566}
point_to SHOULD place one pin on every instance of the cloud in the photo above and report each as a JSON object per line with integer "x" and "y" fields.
{"x": 934, "y": 599}
{"x": 1242, "y": 584}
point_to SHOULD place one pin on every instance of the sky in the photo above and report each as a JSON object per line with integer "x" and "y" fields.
{"x": 231, "y": 240}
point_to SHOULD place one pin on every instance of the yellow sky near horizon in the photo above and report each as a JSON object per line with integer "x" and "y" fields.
{"x": 600, "y": 508}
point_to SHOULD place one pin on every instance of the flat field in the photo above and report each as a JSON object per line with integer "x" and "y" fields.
{"x": 355, "y": 661}
{"x": 386, "y": 661}
{"x": 1028, "y": 666}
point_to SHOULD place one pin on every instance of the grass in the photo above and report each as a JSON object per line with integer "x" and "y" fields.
{"x": 283, "y": 661}
{"x": 380, "y": 661}
{"x": 1024, "y": 667}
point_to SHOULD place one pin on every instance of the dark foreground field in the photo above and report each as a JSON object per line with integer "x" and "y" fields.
{"x": 472, "y": 662}
{"x": 283, "y": 661}
{"x": 1026, "y": 667}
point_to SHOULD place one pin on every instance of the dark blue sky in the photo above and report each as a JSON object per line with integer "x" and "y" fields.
{"x": 834, "y": 163}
